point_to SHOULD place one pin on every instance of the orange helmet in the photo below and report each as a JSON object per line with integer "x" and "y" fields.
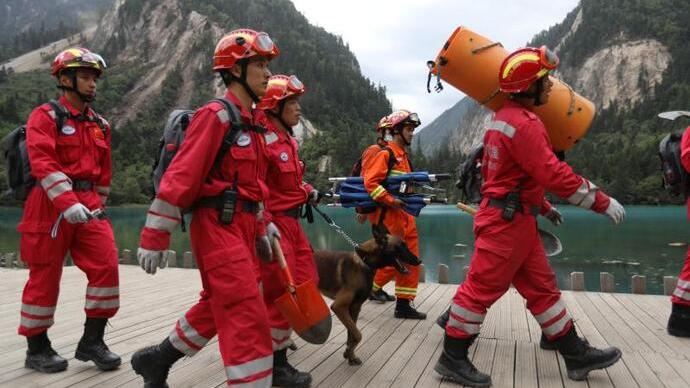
{"x": 77, "y": 58}
{"x": 399, "y": 117}
{"x": 520, "y": 69}
{"x": 280, "y": 87}
{"x": 241, "y": 44}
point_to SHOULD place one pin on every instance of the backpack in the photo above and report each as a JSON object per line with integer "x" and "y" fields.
{"x": 357, "y": 171}
{"x": 676, "y": 179}
{"x": 174, "y": 133}
{"x": 470, "y": 175}
{"x": 16, "y": 156}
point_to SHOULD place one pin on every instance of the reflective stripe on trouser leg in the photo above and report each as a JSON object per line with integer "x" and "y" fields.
{"x": 281, "y": 338}
{"x": 255, "y": 373}
{"x": 682, "y": 291}
{"x": 44, "y": 257}
{"x": 554, "y": 320}
{"x": 186, "y": 338}
{"x": 462, "y": 322}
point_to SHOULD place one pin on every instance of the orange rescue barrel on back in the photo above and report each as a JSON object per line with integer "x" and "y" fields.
{"x": 471, "y": 62}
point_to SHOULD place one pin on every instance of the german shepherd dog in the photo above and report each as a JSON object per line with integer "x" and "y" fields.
{"x": 347, "y": 278}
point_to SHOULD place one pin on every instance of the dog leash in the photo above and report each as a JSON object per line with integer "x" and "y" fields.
{"x": 335, "y": 226}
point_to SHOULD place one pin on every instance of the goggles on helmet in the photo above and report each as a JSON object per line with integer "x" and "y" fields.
{"x": 412, "y": 119}
{"x": 87, "y": 60}
{"x": 295, "y": 85}
{"x": 262, "y": 44}
{"x": 548, "y": 59}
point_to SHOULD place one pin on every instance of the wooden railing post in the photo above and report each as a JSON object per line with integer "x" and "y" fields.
{"x": 577, "y": 281}
{"x": 606, "y": 282}
{"x": 443, "y": 273}
{"x": 670, "y": 283}
{"x": 639, "y": 284}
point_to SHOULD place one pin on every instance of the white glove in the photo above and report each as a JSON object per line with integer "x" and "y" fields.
{"x": 151, "y": 260}
{"x": 615, "y": 211}
{"x": 314, "y": 197}
{"x": 77, "y": 214}
{"x": 554, "y": 216}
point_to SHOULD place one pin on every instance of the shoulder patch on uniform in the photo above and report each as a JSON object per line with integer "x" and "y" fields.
{"x": 270, "y": 137}
{"x": 223, "y": 116}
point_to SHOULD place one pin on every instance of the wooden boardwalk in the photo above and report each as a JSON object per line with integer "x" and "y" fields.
{"x": 394, "y": 352}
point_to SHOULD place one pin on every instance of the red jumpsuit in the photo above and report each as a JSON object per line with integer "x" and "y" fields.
{"x": 288, "y": 194}
{"x": 517, "y": 154}
{"x": 397, "y": 221}
{"x": 681, "y": 295}
{"x": 230, "y": 303}
{"x": 71, "y": 165}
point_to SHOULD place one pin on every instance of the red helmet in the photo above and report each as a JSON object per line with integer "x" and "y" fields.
{"x": 77, "y": 58}
{"x": 241, "y": 44}
{"x": 279, "y": 88}
{"x": 399, "y": 117}
{"x": 524, "y": 66}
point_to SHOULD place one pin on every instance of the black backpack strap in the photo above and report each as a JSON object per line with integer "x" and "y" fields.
{"x": 236, "y": 126}
{"x": 391, "y": 159}
{"x": 61, "y": 113}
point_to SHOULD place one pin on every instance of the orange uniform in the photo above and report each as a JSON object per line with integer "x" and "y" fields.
{"x": 397, "y": 221}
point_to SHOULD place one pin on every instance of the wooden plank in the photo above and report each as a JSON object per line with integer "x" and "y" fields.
{"x": 368, "y": 347}
{"x": 654, "y": 343}
{"x": 681, "y": 366}
{"x": 654, "y": 326}
{"x": 365, "y": 373}
{"x": 399, "y": 362}
{"x": 643, "y": 374}
{"x": 548, "y": 371}
{"x": 502, "y": 371}
{"x": 525, "y": 365}
{"x": 664, "y": 371}
{"x": 518, "y": 316}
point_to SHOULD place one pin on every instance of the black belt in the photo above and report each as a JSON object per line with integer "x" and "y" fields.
{"x": 82, "y": 185}
{"x": 501, "y": 204}
{"x": 295, "y": 212}
{"x": 241, "y": 205}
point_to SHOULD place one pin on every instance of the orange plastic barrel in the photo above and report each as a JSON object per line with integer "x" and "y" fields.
{"x": 470, "y": 62}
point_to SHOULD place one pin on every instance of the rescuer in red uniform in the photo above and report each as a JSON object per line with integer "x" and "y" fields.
{"x": 519, "y": 165}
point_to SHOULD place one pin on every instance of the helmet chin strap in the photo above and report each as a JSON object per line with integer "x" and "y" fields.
{"x": 243, "y": 80}
{"x": 84, "y": 97}
{"x": 281, "y": 108}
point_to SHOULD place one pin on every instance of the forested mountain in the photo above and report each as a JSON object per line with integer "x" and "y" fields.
{"x": 631, "y": 59}
{"x": 29, "y": 24}
{"x": 160, "y": 53}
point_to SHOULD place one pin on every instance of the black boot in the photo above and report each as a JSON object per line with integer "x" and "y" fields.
{"x": 153, "y": 363}
{"x": 545, "y": 344}
{"x": 442, "y": 319}
{"x": 581, "y": 358}
{"x": 92, "y": 348}
{"x": 285, "y": 375}
{"x": 41, "y": 357}
{"x": 381, "y": 296}
{"x": 404, "y": 310}
{"x": 679, "y": 321}
{"x": 455, "y": 365}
